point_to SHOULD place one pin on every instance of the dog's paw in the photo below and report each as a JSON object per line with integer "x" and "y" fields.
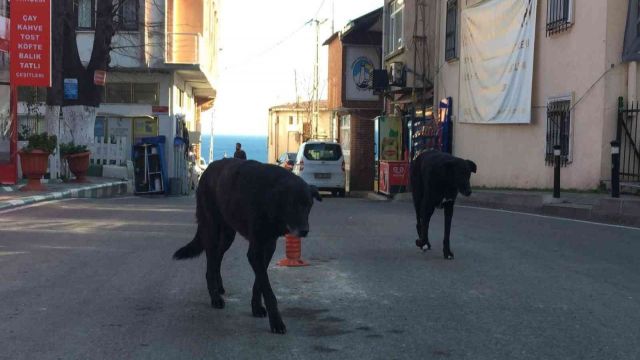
{"x": 448, "y": 255}
{"x": 217, "y": 303}
{"x": 421, "y": 244}
{"x": 277, "y": 326}
{"x": 258, "y": 311}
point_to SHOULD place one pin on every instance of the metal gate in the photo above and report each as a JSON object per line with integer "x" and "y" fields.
{"x": 628, "y": 135}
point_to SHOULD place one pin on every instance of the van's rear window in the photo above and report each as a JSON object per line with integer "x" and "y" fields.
{"x": 322, "y": 152}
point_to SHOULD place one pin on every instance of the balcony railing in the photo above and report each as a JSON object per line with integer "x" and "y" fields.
{"x": 183, "y": 48}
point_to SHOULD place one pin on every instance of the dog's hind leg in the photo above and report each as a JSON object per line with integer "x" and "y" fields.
{"x": 227, "y": 235}
{"x": 257, "y": 255}
{"x": 448, "y": 215}
{"x": 214, "y": 258}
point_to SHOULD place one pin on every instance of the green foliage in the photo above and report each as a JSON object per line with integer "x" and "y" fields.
{"x": 44, "y": 142}
{"x": 71, "y": 148}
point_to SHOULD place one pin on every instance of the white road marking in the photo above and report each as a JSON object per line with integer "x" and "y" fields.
{"x": 35, "y": 205}
{"x": 5, "y": 253}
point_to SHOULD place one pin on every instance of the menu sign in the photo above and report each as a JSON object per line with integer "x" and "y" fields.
{"x": 31, "y": 42}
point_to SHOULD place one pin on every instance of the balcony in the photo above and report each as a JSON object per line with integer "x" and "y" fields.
{"x": 183, "y": 48}
{"x": 192, "y": 59}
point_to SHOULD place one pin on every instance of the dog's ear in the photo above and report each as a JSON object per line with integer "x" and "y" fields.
{"x": 315, "y": 193}
{"x": 472, "y": 166}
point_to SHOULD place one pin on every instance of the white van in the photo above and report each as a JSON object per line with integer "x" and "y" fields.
{"x": 321, "y": 164}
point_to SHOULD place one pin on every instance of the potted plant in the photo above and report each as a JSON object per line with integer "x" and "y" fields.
{"x": 77, "y": 157}
{"x": 34, "y": 159}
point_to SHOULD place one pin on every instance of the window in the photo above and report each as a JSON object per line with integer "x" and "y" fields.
{"x": 180, "y": 97}
{"x": 128, "y": 15}
{"x": 395, "y": 26}
{"x": 322, "y": 152}
{"x": 145, "y": 94}
{"x": 451, "y": 31}
{"x": 85, "y": 14}
{"x": 558, "y": 130}
{"x": 118, "y": 93}
{"x": 30, "y": 94}
{"x": 290, "y": 120}
{"x": 559, "y": 16}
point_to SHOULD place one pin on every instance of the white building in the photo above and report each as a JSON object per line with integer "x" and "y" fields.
{"x": 163, "y": 70}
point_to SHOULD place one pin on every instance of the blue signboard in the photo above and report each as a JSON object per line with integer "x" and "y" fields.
{"x": 71, "y": 89}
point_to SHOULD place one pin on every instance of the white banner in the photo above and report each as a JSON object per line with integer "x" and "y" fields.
{"x": 496, "y": 62}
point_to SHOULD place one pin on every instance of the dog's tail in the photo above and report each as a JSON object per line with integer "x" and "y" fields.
{"x": 191, "y": 250}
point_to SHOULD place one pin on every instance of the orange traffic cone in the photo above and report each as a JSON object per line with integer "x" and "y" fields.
{"x": 293, "y": 251}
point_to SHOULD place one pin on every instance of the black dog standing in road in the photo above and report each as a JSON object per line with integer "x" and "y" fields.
{"x": 436, "y": 179}
{"x": 261, "y": 202}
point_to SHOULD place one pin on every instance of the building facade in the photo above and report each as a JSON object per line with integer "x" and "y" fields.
{"x": 291, "y": 124}
{"x": 162, "y": 73}
{"x": 577, "y": 77}
{"x": 354, "y": 53}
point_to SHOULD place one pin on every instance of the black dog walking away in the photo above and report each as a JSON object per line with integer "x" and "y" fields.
{"x": 261, "y": 202}
{"x": 436, "y": 179}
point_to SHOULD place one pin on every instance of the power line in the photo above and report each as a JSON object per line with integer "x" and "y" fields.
{"x": 280, "y": 42}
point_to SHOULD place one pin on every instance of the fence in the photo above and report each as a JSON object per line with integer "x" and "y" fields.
{"x": 628, "y": 135}
{"x": 110, "y": 151}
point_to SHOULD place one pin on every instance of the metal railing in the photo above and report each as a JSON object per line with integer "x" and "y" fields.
{"x": 558, "y": 131}
{"x": 628, "y": 137}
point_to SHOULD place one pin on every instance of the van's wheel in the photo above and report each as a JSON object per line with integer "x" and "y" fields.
{"x": 341, "y": 193}
{"x": 334, "y": 193}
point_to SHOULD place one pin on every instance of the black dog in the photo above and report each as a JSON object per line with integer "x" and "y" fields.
{"x": 261, "y": 202}
{"x": 436, "y": 178}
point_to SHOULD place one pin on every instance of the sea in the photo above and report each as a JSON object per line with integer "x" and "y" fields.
{"x": 254, "y": 146}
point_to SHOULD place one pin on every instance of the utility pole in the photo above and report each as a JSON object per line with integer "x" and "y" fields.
{"x": 315, "y": 110}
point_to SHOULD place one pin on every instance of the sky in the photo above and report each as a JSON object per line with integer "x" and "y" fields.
{"x": 265, "y": 47}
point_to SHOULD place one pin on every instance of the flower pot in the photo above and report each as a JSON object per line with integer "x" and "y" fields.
{"x": 34, "y": 165}
{"x": 79, "y": 165}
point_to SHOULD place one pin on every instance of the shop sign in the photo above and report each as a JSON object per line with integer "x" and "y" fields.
{"x": 31, "y": 43}
{"x": 71, "y": 89}
{"x": 99, "y": 77}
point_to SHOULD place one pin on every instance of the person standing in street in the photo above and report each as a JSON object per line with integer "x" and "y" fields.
{"x": 239, "y": 154}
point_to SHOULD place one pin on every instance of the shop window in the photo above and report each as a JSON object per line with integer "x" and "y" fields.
{"x": 145, "y": 94}
{"x": 85, "y": 14}
{"x": 118, "y": 93}
{"x": 394, "y": 40}
{"x": 128, "y": 15}
{"x": 451, "y": 32}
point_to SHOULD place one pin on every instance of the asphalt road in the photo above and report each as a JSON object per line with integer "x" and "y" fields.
{"x": 94, "y": 279}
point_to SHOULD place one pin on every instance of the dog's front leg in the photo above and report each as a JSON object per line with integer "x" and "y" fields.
{"x": 448, "y": 215}
{"x": 423, "y": 224}
{"x": 257, "y": 258}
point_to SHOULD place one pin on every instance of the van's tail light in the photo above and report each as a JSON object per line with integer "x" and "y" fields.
{"x": 301, "y": 165}
{"x": 343, "y": 166}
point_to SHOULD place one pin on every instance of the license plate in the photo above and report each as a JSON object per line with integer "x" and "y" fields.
{"x": 322, "y": 176}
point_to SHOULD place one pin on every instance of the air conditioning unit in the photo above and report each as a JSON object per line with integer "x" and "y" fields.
{"x": 396, "y": 74}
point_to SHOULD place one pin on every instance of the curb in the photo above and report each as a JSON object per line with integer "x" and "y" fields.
{"x": 110, "y": 189}
{"x": 621, "y": 211}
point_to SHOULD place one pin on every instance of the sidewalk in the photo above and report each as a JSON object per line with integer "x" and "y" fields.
{"x": 598, "y": 207}
{"x": 97, "y": 187}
